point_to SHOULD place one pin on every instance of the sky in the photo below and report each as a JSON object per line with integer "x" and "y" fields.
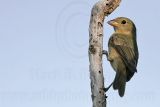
{"x": 44, "y": 54}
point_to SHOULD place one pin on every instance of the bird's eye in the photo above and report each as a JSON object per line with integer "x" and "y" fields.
{"x": 123, "y": 22}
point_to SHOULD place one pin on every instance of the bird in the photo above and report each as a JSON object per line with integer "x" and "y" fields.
{"x": 122, "y": 52}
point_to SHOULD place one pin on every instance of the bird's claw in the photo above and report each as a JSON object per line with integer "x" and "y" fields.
{"x": 105, "y": 52}
{"x": 106, "y": 89}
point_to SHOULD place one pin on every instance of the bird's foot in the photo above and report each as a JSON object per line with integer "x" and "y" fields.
{"x": 105, "y": 52}
{"x": 106, "y": 89}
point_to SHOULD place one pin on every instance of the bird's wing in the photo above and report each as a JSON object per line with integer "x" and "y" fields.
{"x": 126, "y": 52}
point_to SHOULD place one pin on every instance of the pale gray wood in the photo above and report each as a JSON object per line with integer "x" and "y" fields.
{"x": 99, "y": 11}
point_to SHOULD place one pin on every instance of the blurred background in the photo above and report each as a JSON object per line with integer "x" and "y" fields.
{"x": 44, "y": 54}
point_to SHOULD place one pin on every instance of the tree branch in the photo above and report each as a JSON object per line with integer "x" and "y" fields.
{"x": 99, "y": 11}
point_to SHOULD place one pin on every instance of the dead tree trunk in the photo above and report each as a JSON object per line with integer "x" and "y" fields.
{"x": 99, "y": 11}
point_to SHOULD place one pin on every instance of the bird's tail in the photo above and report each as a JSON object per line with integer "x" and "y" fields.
{"x": 120, "y": 82}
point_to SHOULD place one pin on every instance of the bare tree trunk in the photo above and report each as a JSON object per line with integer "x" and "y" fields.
{"x": 99, "y": 11}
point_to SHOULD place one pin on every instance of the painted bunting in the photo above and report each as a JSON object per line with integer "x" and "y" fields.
{"x": 122, "y": 52}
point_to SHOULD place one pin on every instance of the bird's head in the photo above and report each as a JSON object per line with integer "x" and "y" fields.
{"x": 122, "y": 25}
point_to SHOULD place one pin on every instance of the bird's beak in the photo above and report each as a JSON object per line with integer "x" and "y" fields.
{"x": 113, "y": 23}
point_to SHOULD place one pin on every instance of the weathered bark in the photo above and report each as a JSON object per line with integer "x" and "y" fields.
{"x": 99, "y": 11}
